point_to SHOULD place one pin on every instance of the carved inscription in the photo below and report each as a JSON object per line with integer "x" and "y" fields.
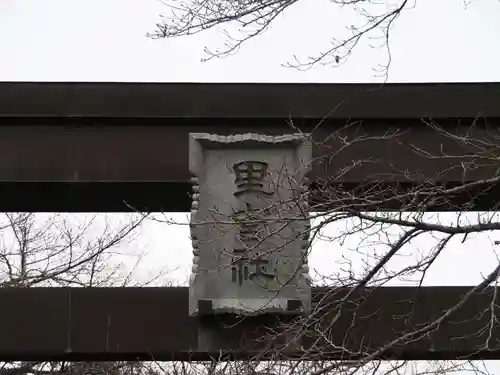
{"x": 250, "y": 177}
{"x": 248, "y": 263}
{"x": 247, "y": 257}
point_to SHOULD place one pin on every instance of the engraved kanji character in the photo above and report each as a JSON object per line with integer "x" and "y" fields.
{"x": 250, "y": 176}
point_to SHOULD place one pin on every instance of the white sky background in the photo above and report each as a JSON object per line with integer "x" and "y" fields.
{"x": 104, "y": 40}
{"x": 96, "y": 40}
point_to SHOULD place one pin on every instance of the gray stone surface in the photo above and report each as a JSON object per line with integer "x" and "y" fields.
{"x": 249, "y": 224}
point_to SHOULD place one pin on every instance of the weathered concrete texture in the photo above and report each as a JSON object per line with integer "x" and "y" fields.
{"x": 249, "y": 224}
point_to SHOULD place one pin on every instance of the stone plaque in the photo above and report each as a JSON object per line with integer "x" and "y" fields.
{"x": 249, "y": 224}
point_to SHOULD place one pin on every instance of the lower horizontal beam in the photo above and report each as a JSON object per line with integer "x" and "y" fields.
{"x": 153, "y": 324}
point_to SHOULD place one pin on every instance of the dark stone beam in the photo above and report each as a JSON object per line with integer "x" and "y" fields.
{"x": 78, "y": 151}
{"x": 117, "y": 146}
{"x": 117, "y": 165}
{"x": 153, "y": 323}
{"x": 159, "y": 197}
{"x": 248, "y": 100}
{"x": 94, "y": 196}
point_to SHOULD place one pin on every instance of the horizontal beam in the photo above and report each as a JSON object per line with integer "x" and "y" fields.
{"x": 165, "y": 197}
{"x": 153, "y": 323}
{"x": 248, "y": 100}
{"x": 117, "y": 165}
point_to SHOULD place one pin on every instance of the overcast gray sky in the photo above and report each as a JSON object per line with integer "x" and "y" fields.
{"x": 96, "y": 40}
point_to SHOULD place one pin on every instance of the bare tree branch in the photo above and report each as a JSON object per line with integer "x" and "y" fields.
{"x": 244, "y": 20}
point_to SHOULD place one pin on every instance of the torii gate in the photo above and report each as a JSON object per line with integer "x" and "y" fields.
{"x": 101, "y": 147}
